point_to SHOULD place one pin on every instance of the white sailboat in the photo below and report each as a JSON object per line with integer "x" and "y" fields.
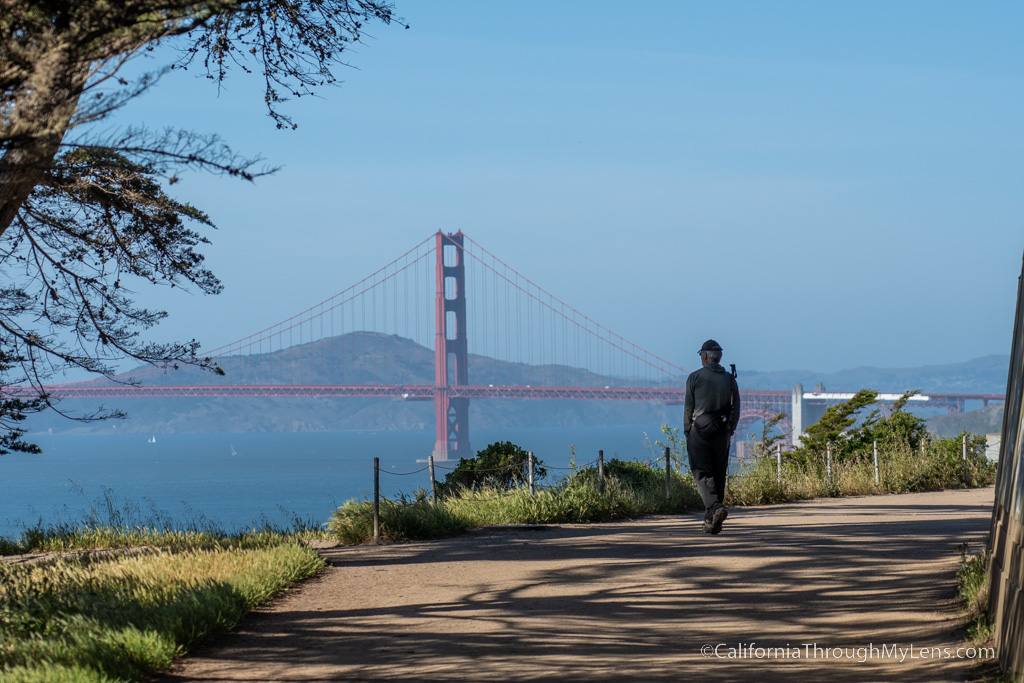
{"x": 152, "y": 439}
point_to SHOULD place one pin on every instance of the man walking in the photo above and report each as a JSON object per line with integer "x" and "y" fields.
{"x": 712, "y": 410}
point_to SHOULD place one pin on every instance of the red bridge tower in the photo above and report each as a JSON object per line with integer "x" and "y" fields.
{"x": 450, "y": 350}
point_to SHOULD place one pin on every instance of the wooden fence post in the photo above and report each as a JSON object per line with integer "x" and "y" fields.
{"x": 668, "y": 474}
{"x": 600, "y": 471}
{"x": 875, "y": 446}
{"x": 433, "y": 484}
{"x": 531, "y": 472}
{"x": 965, "y": 456}
{"x": 376, "y": 499}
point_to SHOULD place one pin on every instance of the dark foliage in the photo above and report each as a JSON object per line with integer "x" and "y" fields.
{"x": 502, "y": 465}
{"x": 84, "y": 218}
{"x": 629, "y": 473}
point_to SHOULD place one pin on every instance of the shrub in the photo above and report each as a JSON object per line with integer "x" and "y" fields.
{"x": 640, "y": 481}
{"x": 502, "y": 466}
{"x": 628, "y": 472}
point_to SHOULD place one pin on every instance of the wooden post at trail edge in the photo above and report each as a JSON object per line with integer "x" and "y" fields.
{"x": 668, "y": 474}
{"x": 875, "y": 446}
{"x": 531, "y": 472}
{"x": 433, "y": 483}
{"x": 600, "y": 471}
{"x": 376, "y": 499}
{"x": 965, "y": 457}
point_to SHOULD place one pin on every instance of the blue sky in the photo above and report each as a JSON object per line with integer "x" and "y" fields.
{"x": 815, "y": 185}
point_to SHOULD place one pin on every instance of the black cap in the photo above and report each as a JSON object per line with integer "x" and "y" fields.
{"x": 710, "y": 345}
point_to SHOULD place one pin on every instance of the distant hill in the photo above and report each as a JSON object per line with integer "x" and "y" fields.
{"x": 985, "y": 375}
{"x": 370, "y": 358}
{"x": 355, "y": 358}
{"x": 987, "y": 420}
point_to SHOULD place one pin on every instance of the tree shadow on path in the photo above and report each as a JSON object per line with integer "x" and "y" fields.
{"x": 837, "y": 588}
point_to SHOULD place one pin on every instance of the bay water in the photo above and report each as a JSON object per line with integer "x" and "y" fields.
{"x": 234, "y": 482}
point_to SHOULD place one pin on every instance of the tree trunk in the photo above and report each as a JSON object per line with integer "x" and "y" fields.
{"x": 40, "y": 116}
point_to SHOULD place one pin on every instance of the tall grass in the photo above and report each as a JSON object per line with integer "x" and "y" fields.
{"x": 115, "y": 523}
{"x": 402, "y": 520}
{"x": 901, "y": 469}
{"x": 973, "y": 585}
{"x": 575, "y": 501}
{"x": 124, "y": 616}
{"x": 631, "y": 490}
{"x": 634, "y": 489}
{"x": 160, "y": 588}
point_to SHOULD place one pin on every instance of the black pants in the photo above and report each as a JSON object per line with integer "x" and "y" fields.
{"x": 709, "y": 462}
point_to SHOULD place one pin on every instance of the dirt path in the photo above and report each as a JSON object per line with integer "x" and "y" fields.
{"x": 636, "y": 599}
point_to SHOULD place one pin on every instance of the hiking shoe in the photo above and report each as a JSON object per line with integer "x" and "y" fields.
{"x": 717, "y": 519}
{"x": 708, "y": 526}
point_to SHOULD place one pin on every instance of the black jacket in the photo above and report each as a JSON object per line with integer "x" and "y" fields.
{"x": 711, "y": 389}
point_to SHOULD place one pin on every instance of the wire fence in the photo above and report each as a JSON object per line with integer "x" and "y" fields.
{"x": 514, "y": 472}
{"x": 531, "y": 467}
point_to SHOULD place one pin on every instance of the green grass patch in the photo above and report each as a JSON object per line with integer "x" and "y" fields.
{"x": 124, "y": 616}
{"x": 575, "y": 501}
{"x": 631, "y": 489}
{"x": 973, "y": 583}
{"x": 402, "y": 520}
{"x": 68, "y": 539}
{"x": 115, "y": 523}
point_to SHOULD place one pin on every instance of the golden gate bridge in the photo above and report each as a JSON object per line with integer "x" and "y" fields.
{"x": 494, "y": 334}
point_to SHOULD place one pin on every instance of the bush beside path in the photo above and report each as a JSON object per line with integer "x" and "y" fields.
{"x": 635, "y": 599}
